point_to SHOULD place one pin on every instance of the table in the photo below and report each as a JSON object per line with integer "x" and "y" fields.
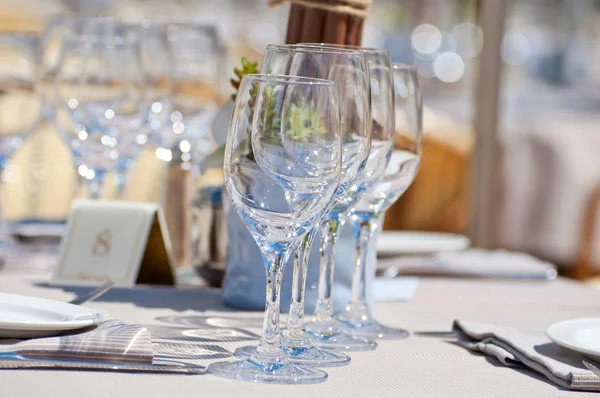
{"x": 418, "y": 366}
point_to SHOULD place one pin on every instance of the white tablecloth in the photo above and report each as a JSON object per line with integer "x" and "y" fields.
{"x": 418, "y": 366}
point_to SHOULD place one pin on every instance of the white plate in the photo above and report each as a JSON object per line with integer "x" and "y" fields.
{"x": 26, "y": 316}
{"x": 579, "y": 335}
{"x": 392, "y": 243}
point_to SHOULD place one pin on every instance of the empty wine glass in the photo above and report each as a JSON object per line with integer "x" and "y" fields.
{"x": 368, "y": 213}
{"x": 57, "y": 31}
{"x": 196, "y": 55}
{"x": 282, "y": 170}
{"x": 98, "y": 98}
{"x": 324, "y": 329}
{"x": 348, "y": 68}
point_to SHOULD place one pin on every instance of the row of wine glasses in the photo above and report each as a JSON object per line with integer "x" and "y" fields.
{"x": 311, "y": 145}
{"x": 111, "y": 87}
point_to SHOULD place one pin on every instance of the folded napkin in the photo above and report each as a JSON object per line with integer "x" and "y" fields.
{"x": 112, "y": 341}
{"x": 520, "y": 348}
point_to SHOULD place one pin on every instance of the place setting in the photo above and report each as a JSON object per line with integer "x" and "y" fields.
{"x": 39, "y": 333}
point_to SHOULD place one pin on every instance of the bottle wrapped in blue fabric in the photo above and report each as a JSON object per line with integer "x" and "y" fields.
{"x": 245, "y": 281}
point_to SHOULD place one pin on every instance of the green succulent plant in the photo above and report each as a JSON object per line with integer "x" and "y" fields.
{"x": 246, "y": 69}
{"x": 300, "y": 122}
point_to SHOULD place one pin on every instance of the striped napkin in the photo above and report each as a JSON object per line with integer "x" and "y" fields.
{"x": 112, "y": 341}
{"x": 532, "y": 349}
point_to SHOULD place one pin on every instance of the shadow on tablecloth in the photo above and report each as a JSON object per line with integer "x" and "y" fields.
{"x": 200, "y": 340}
{"x": 155, "y": 297}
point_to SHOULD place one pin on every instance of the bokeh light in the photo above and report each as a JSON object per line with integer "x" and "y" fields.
{"x": 449, "y": 67}
{"x": 469, "y": 39}
{"x": 426, "y": 39}
{"x": 185, "y": 146}
{"x": 515, "y": 49}
{"x": 164, "y": 154}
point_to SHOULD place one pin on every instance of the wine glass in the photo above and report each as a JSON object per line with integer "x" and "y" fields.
{"x": 282, "y": 170}
{"x": 349, "y": 69}
{"x": 325, "y": 330}
{"x": 156, "y": 63}
{"x": 98, "y": 98}
{"x": 57, "y": 31}
{"x": 368, "y": 214}
{"x": 196, "y": 55}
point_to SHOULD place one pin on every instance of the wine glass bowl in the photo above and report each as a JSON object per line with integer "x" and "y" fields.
{"x": 303, "y": 165}
{"x": 196, "y": 55}
{"x": 99, "y": 97}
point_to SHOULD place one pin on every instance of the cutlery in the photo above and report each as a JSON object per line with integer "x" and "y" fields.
{"x": 16, "y": 361}
{"x": 94, "y": 294}
{"x": 592, "y": 368}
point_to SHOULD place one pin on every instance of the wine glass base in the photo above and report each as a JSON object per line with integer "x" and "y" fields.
{"x": 281, "y": 373}
{"x": 340, "y": 341}
{"x": 308, "y": 356}
{"x": 374, "y": 331}
{"x": 314, "y": 356}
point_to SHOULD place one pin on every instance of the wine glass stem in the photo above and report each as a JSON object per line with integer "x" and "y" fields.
{"x": 269, "y": 348}
{"x": 330, "y": 230}
{"x": 365, "y": 227}
{"x": 120, "y": 183}
{"x": 295, "y": 323}
{"x": 96, "y": 184}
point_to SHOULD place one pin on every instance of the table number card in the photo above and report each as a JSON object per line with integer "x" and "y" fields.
{"x": 123, "y": 241}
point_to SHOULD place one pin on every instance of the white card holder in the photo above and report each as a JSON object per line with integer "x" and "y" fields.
{"x": 126, "y": 242}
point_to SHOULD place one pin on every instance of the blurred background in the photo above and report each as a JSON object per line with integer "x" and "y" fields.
{"x": 548, "y": 131}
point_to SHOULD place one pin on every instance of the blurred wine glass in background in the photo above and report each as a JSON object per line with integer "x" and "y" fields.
{"x": 98, "y": 99}
{"x": 196, "y": 53}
